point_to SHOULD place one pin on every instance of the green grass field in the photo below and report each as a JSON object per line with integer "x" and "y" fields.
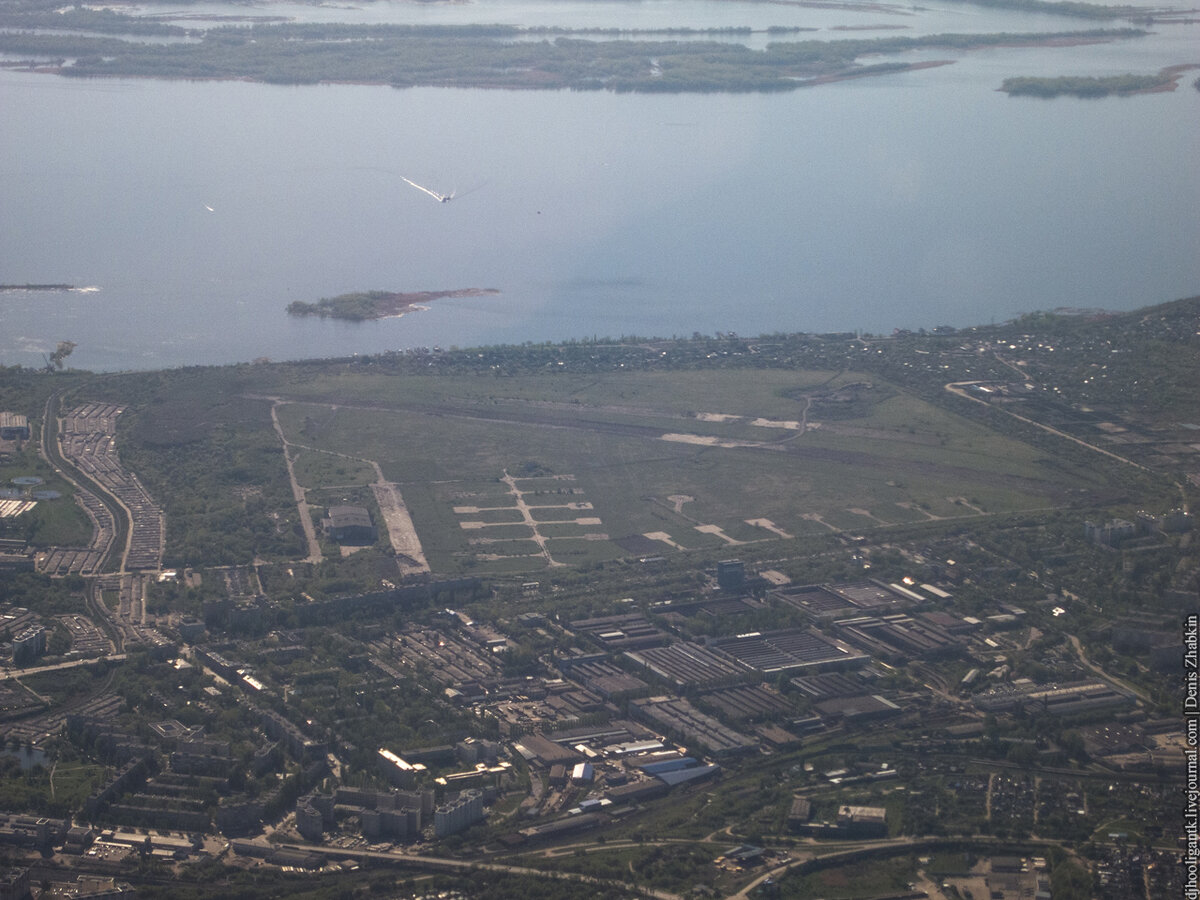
{"x": 315, "y": 469}
{"x": 52, "y": 522}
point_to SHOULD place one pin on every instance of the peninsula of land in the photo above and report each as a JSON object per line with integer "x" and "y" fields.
{"x": 363, "y": 305}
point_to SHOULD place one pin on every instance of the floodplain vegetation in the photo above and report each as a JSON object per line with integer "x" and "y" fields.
{"x": 1090, "y": 86}
{"x": 92, "y": 43}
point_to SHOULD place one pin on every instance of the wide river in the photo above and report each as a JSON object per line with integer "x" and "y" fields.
{"x": 199, "y": 210}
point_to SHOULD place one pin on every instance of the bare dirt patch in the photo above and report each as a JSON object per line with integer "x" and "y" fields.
{"x": 777, "y": 423}
{"x": 679, "y": 500}
{"x": 662, "y": 537}
{"x": 769, "y": 526}
{"x": 401, "y": 531}
{"x": 719, "y": 532}
{"x": 866, "y": 513}
{"x": 775, "y": 577}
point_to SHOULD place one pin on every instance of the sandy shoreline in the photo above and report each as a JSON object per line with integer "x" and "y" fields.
{"x": 399, "y": 303}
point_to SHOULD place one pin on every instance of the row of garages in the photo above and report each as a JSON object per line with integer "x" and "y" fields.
{"x": 84, "y": 560}
{"x": 88, "y": 440}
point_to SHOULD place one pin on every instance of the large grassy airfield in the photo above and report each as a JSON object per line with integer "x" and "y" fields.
{"x": 523, "y": 473}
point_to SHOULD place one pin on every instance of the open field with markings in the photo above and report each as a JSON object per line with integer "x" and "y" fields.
{"x": 565, "y": 470}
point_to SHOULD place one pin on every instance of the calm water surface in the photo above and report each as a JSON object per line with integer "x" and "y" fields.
{"x": 913, "y": 200}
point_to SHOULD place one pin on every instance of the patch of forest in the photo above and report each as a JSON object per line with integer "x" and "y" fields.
{"x": 1089, "y": 86}
{"x": 364, "y": 305}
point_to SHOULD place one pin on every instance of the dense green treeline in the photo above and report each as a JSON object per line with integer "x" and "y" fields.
{"x": 1077, "y": 86}
{"x": 106, "y": 21}
{"x": 487, "y": 56}
{"x": 52, "y": 14}
{"x": 357, "y": 307}
{"x": 212, "y": 459}
{"x": 1069, "y": 8}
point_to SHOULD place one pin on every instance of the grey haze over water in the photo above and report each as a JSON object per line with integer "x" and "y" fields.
{"x": 201, "y": 209}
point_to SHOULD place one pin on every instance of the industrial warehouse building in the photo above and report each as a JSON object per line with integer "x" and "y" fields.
{"x": 13, "y": 427}
{"x": 349, "y": 525}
